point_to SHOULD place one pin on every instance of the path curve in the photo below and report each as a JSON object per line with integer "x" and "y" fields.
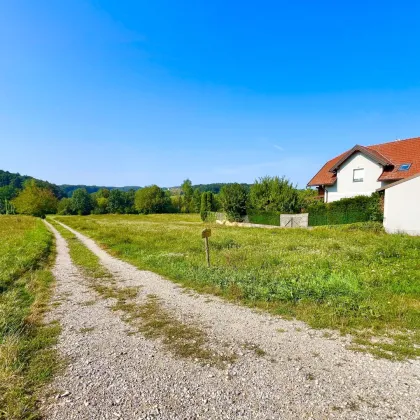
{"x": 113, "y": 374}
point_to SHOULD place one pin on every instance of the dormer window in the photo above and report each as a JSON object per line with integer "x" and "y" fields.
{"x": 358, "y": 175}
{"x": 404, "y": 167}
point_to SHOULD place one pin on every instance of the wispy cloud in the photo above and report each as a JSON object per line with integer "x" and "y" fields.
{"x": 278, "y": 147}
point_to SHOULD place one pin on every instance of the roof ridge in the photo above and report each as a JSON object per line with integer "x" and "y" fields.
{"x": 394, "y": 141}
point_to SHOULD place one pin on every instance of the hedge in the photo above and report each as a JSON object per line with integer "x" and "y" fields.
{"x": 264, "y": 218}
{"x": 346, "y": 210}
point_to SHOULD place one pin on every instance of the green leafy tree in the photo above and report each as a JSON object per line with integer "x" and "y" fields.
{"x": 100, "y": 205}
{"x": 207, "y": 205}
{"x": 129, "y": 198}
{"x": 274, "y": 194}
{"x": 82, "y": 202}
{"x": 116, "y": 202}
{"x": 307, "y": 198}
{"x": 196, "y": 201}
{"x": 187, "y": 196}
{"x": 35, "y": 200}
{"x": 65, "y": 206}
{"x": 152, "y": 199}
{"x": 233, "y": 198}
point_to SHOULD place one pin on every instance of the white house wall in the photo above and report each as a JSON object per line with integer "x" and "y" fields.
{"x": 345, "y": 187}
{"x": 402, "y": 208}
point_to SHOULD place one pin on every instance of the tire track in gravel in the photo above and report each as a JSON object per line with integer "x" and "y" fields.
{"x": 285, "y": 370}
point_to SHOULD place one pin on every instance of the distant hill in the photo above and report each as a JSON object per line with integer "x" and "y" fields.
{"x": 69, "y": 189}
{"x": 214, "y": 188}
{"x": 15, "y": 182}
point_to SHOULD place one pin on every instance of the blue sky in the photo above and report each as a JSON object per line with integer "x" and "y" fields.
{"x": 140, "y": 92}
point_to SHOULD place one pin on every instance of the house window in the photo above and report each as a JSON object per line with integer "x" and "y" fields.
{"x": 404, "y": 167}
{"x": 358, "y": 175}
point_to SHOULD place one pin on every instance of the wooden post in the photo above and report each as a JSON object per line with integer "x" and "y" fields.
{"x": 205, "y": 234}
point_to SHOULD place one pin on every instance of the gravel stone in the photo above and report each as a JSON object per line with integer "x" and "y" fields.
{"x": 114, "y": 374}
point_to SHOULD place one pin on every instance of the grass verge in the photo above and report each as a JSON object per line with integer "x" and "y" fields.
{"x": 149, "y": 317}
{"x": 353, "y": 278}
{"x": 27, "y": 357}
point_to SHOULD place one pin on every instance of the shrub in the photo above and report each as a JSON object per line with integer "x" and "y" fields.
{"x": 234, "y": 201}
{"x": 274, "y": 194}
{"x": 264, "y": 218}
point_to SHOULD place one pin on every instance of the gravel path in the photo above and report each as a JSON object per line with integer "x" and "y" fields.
{"x": 298, "y": 374}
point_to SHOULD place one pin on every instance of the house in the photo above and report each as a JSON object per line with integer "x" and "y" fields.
{"x": 402, "y": 206}
{"x": 363, "y": 170}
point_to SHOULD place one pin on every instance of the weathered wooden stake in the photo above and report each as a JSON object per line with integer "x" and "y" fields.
{"x": 206, "y": 233}
{"x": 206, "y": 240}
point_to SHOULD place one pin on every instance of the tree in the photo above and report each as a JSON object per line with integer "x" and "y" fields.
{"x": 7, "y": 193}
{"x": 35, "y": 200}
{"x": 207, "y": 205}
{"x": 274, "y": 194}
{"x": 152, "y": 199}
{"x": 100, "y": 205}
{"x": 196, "y": 201}
{"x": 82, "y": 203}
{"x": 187, "y": 194}
{"x": 65, "y": 206}
{"x": 116, "y": 202}
{"x": 233, "y": 198}
{"x": 129, "y": 197}
{"x": 306, "y": 198}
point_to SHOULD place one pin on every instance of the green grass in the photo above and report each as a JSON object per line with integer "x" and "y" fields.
{"x": 353, "y": 278}
{"x": 27, "y": 359}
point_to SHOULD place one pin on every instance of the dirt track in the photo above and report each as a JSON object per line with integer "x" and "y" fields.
{"x": 283, "y": 369}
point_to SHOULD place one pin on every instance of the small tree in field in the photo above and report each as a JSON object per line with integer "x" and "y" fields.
{"x": 152, "y": 199}
{"x": 35, "y": 201}
{"x": 233, "y": 198}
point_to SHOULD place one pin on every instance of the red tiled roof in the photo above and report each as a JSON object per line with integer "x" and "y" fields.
{"x": 395, "y": 153}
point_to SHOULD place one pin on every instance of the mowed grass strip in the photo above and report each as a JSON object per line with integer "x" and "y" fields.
{"x": 149, "y": 317}
{"x": 353, "y": 278}
{"x": 27, "y": 359}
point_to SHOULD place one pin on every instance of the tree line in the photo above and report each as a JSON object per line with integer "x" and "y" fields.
{"x": 267, "y": 194}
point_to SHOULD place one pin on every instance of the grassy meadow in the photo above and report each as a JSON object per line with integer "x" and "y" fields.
{"x": 354, "y": 278}
{"x": 26, "y": 358}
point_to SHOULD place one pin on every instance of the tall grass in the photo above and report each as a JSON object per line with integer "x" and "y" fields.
{"x": 26, "y": 357}
{"x": 356, "y": 279}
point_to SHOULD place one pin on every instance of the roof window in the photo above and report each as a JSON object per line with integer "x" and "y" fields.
{"x": 404, "y": 167}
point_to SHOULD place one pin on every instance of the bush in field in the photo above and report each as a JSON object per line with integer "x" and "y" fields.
{"x": 274, "y": 194}
{"x": 233, "y": 198}
{"x": 207, "y": 205}
{"x": 82, "y": 203}
{"x": 152, "y": 199}
{"x": 35, "y": 201}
